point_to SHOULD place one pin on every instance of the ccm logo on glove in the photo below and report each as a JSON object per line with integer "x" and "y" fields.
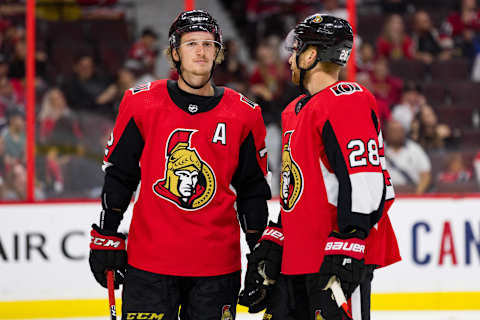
{"x": 273, "y": 234}
{"x": 100, "y": 242}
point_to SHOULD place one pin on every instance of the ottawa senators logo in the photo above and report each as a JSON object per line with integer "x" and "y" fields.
{"x": 189, "y": 181}
{"x": 317, "y": 19}
{"x": 291, "y": 179}
{"x": 318, "y": 315}
{"x": 226, "y": 313}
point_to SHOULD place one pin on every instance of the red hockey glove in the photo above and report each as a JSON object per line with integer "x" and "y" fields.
{"x": 344, "y": 258}
{"x": 107, "y": 252}
{"x": 263, "y": 268}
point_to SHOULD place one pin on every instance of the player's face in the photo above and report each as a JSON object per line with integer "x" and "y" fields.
{"x": 293, "y": 62}
{"x": 285, "y": 183}
{"x": 197, "y": 52}
{"x": 187, "y": 181}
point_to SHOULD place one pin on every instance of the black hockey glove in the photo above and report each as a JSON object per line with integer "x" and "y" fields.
{"x": 107, "y": 252}
{"x": 263, "y": 268}
{"x": 343, "y": 258}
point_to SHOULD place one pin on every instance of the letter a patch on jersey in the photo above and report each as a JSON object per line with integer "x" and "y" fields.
{"x": 291, "y": 179}
{"x": 188, "y": 181}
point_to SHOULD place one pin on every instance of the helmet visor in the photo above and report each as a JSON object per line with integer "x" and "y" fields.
{"x": 292, "y": 43}
{"x": 203, "y": 27}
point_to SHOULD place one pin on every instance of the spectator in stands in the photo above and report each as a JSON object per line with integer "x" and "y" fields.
{"x": 84, "y": 87}
{"x": 11, "y": 96}
{"x": 14, "y": 138}
{"x": 144, "y": 50}
{"x": 17, "y": 62}
{"x": 232, "y": 72}
{"x": 384, "y": 85}
{"x": 407, "y": 162}
{"x": 366, "y": 57}
{"x": 384, "y": 112}
{"x": 465, "y": 17}
{"x": 269, "y": 78}
{"x": 429, "y": 45}
{"x": 456, "y": 170}
{"x": 58, "y": 124}
{"x": 430, "y": 134}
{"x": 462, "y": 25}
{"x": 394, "y": 43}
{"x": 114, "y": 92}
{"x": 410, "y": 102}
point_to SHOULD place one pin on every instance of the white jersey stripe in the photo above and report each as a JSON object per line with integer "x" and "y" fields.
{"x": 331, "y": 184}
{"x": 367, "y": 191}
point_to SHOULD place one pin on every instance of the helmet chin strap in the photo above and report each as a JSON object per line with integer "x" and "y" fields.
{"x": 179, "y": 70}
{"x": 303, "y": 72}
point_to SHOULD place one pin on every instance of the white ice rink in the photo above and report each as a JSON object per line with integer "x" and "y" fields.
{"x": 378, "y": 315}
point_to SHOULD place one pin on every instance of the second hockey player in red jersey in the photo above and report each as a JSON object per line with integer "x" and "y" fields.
{"x": 335, "y": 191}
{"x": 195, "y": 156}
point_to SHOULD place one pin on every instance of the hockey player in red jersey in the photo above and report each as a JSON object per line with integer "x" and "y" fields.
{"x": 335, "y": 189}
{"x": 194, "y": 154}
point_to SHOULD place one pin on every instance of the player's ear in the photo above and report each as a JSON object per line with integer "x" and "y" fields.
{"x": 309, "y": 56}
{"x": 175, "y": 55}
{"x": 312, "y": 55}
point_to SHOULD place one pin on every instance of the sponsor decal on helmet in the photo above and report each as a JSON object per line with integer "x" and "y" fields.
{"x": 317, "y": 19}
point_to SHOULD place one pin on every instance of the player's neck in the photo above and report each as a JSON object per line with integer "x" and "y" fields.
{"x": 206, "y": 90}
{"x": 317, "y": 81}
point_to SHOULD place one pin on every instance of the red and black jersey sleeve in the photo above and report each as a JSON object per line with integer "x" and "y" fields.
{"x": 351, "y": 144}
{"x": 121, "y": 165}
{"x": 249, "y": 179}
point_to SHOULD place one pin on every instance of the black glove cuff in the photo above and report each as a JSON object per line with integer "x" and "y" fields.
{"x": 252, "y": 239}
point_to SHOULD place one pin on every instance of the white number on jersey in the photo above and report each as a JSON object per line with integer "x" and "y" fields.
{"x": 358, "y": 158}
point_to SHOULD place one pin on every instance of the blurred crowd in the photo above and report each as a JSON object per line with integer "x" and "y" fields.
{"x": 422, "y": 65}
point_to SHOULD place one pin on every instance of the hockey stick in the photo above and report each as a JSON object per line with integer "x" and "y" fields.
{"x": 111, "y": 295}
{"x": 339, "y": 296}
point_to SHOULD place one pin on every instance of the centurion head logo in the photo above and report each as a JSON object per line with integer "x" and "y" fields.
{"x": 226, "y": 313}
{"x": 291, "y": 180}
{"x": 189, "y": 182}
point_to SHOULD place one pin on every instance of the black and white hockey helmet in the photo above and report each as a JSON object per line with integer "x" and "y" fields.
{"x": 192, "y": 21}
{"x": 332, "y": 36}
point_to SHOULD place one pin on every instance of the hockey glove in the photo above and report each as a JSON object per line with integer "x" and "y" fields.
{"x": 107, "y": 252}
{"x": 344, "y": 258}
{"x": 263, "y": 268}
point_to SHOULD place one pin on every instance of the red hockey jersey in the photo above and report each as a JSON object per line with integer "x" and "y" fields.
{"x": 184, "y": 220}
{"x": 333, "y": 177}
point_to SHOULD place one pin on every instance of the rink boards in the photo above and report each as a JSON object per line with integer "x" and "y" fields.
{"x": 44, "y": 269}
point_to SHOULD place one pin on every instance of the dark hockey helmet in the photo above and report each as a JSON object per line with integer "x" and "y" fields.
{"x": 192, "y": 21}
{"x": 332, "y": 36}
